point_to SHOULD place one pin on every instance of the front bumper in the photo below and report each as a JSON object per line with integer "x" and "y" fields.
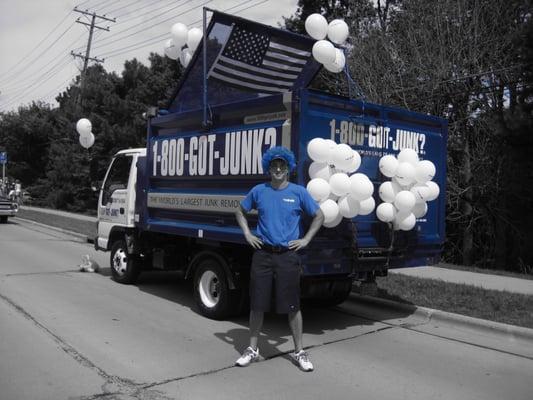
{"x": 8, "y": 210}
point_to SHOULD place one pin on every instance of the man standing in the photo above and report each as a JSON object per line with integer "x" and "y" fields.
{"x": 280, "y": 205}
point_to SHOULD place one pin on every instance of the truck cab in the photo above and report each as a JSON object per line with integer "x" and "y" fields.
{"x": 116, "y": 201}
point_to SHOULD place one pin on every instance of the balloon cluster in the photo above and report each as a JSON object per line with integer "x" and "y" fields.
{"x": 406, "y": 195}
{"x": 183, "y": 43}
{"x": 84, "y": 128}
{"x": 339, "y": 194}
{"x": 324, "y": 51}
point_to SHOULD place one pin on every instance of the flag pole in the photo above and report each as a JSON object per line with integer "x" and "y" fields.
{"x": 204, "y": 59}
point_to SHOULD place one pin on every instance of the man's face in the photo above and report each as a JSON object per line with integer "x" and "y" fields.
{"x": 279, "y": 169}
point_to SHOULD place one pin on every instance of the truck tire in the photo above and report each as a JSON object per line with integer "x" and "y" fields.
{"x": 3, "y": 219}
{"x": 125, "y": 268}
{"x": 339, "y": 292}
{"x": 211, "y": 292}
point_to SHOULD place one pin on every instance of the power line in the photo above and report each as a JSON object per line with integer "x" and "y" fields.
{"x": 31, "y": 63}
{"x": 38, "y": 44}
{"x": 16, "y": 84}
{"x": 140, "y": 8}
{"x": 125, "y": 6}
{"x": 148, "y": 42}
{"x": 126, "y": 20}
{"x": 43, "y": 78}
{"x": 106, "y": 42}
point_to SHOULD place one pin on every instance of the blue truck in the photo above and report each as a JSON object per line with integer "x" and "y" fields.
{"x": 171, "y": 205}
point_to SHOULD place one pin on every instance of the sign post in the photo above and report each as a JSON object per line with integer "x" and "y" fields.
{"x": 3, "y": 161}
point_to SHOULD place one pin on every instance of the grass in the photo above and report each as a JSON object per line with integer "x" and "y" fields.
{"x": 499, "y": 306}
{"x": 486, "y": 271}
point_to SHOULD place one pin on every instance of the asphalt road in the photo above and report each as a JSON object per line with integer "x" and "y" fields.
{"x": 66, "y": 334}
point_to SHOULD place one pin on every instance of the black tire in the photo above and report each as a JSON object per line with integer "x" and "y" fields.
{"x": 211, "y": 291}
{"x": 3, "y": 219}
{"x": 338, "y": 294}
{"x": 125, "y": 268}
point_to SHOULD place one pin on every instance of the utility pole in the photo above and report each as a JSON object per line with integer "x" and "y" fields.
{"x": 87, "y": 57}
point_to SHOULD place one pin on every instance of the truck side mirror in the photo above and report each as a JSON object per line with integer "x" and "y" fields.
{"x": 96, "y": 186}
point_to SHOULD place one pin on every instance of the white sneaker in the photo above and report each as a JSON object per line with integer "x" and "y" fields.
{"x": 302, "y": 360}
{"x": 250, "y": 355}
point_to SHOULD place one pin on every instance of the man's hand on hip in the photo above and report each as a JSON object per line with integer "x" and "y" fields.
{"x": 298, "y": 244}
{"x": 253, "y": 240}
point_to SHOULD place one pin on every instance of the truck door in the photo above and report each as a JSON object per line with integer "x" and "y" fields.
{"x": 115, "y": 197}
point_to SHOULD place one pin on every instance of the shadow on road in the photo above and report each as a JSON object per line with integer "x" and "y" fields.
{"x": 323, "y": 322}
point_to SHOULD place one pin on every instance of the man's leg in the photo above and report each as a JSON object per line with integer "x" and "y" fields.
{"x": 256, "y": 322}
{"x": 295, "y": 323}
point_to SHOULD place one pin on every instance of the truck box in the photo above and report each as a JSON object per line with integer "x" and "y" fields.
{"x": 172, "y": 205}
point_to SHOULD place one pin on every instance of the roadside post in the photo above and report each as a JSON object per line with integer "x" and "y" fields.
{"x": 3, "y": 161}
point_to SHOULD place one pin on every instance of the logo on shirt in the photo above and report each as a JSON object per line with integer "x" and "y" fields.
{"x": 289, "y": 200}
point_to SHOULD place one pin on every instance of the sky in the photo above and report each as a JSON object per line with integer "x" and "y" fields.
{"x": 36, "y": 37}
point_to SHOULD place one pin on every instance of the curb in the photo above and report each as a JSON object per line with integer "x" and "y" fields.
{"x": 489, "y": 327}
{"x": 84, "y": 238}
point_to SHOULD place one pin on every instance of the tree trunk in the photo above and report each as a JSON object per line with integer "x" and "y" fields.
{"x": 466, "y": 206}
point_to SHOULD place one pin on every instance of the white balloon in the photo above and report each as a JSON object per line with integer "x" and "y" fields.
{"x": 421, "y": 192}
{"x": 84, "y": 126}
{"x": 185, "y": 57}
{"x": 330, "y": 209}
{"x": 342, "y": 156}
{"x": 318, "y": 150}
{"x": 356, "y": 162}
{"x": 338, "y": 31}
{"x": 434, "y": 190}
{"x": 338, "y": 63}
{"x": 316, "y": 26}
{"x": 194, "y": 36}
{"x": 179, "y": 33}
{"x": 171, "y": 50}
{"x": 340, "y": 184}
{"x": 407, "y": 222}
{"x": 333, "y": 223}
{"x": 87, "y": 140}
{"x": 324, "y": 52}
{"x": 424, "y": 171}
{"x": 361, "y": 187}
{"x": 405, "y": 201}
{"x": 405, "y": 173}
{"x": 388, "y": 165}
{"x": 420, "y": 209}
{"x": 388, "y": 191}
{"x": 319, "y": 189}
{"x": 348, "y": 206}
{"x": 319, "y": 170}
{"x": 366, "y": 206}
{"x": 408, "y": 155}
{"x": 386, "y": 212}
{"x": 332, "y": 146}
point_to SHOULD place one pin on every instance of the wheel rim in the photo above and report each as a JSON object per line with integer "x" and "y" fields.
{"x": 209, "y": 289}
{"x": 120, "y": 261}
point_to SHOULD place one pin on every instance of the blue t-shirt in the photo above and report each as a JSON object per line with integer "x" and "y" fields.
{"x": 280, "y": 211}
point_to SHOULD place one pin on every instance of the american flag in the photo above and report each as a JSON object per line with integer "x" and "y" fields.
{"x": 259, "y": 62}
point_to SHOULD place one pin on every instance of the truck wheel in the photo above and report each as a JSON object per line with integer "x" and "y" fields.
{"x": 3, "y": 219}
{"x": 211, "y": 292}
{"x": 125, "y": 268}
{"x": 337, "y": 295}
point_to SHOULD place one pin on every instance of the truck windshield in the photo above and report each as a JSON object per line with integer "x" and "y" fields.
{"x": 118, "y": 177}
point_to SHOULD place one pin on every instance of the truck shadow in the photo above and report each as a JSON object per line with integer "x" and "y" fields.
{"x": 323, "y": 324}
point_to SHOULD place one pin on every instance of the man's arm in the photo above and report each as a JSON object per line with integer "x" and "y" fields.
{"x": 252, "y": 240}
{"x": 313, "y": 229}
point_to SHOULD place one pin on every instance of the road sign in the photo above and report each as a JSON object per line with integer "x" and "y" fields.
{"x": 3, "y": 157}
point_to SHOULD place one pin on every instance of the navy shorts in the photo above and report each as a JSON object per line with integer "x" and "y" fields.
{"x": 278, "y": 274}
